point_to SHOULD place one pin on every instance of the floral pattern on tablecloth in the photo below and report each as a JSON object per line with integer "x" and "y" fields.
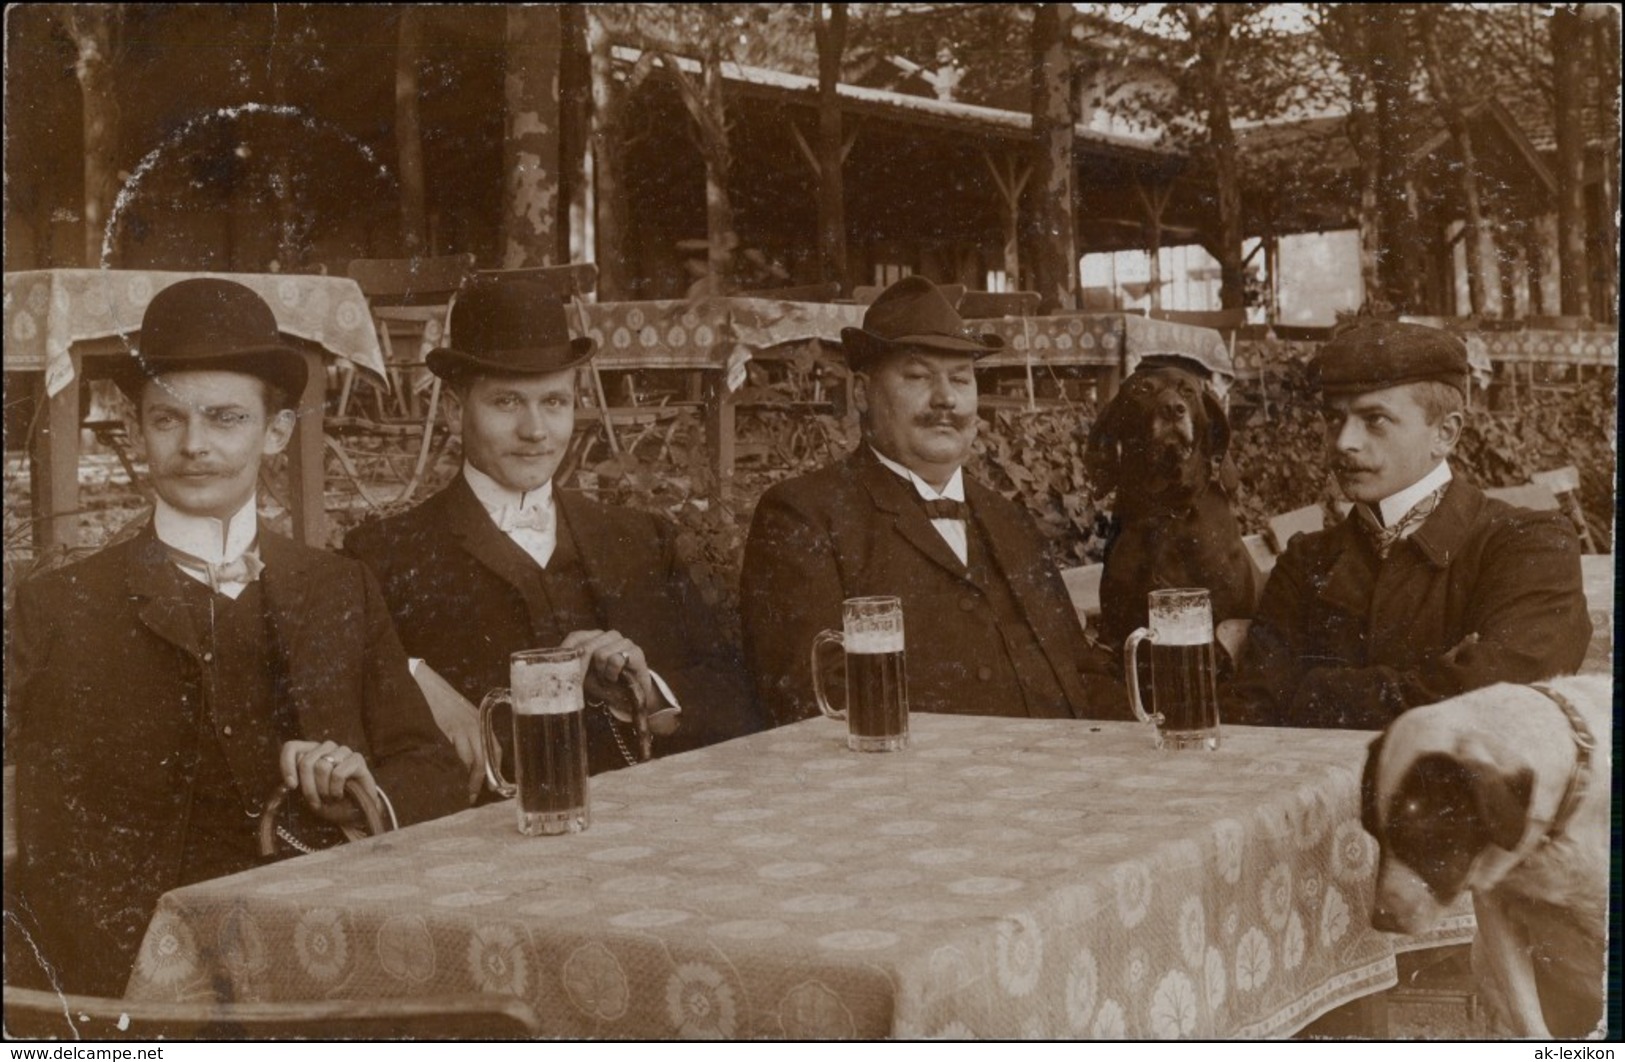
{"x": 1002, "y": 878}
{"x": 1105, "y": 339}
{"x": 704, "y": 333}
{"x": 48, "y": 310}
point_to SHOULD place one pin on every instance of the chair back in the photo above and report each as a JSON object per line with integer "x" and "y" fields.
{"x": 1310, "y": 518}
{"x": 567, "y": 282}
{"x": 1222, "y": 320}
{"x": 32, "y": 1014}
{"x": 420, "y": 281}
{"x": 827, "y": 292}
{"x": 1526, "y": 496}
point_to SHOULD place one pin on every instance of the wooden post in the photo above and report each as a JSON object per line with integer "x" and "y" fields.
{"x": 719, "y": 431}
{"x": 305, "y": 476}
{"x": 53, "y": 467}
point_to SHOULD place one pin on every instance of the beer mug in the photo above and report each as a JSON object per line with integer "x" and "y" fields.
{"x": 549, "y": 741}
{"x": 876, "y": 711}
{"x": 1184, "y": 692}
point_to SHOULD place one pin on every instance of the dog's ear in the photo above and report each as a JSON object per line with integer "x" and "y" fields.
{"x": 1218, "y": 425}
{"x": 1102, "y": 458}
{"x": 1501, "y": 791}
{"x": 1368, "y": 787}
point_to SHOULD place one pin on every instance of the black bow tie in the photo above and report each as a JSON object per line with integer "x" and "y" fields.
{"x": 945, "y": 509}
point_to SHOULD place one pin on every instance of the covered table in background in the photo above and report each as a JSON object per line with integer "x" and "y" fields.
{"x": 1001, "y": 878}
{"x": 56, "y": 319}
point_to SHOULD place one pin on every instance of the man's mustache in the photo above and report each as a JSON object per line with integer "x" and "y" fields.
{"x": 956, "y": 421}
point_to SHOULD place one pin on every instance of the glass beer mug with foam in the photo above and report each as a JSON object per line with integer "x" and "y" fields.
{"x": 876, "y": 710}
{"x": 1184, "y": 693}
{"x": 549, "y": 741}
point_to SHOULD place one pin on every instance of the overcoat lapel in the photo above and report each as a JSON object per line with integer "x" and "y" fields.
{"x": 472, "y": 526}
{"x": 894, "y": 495}
{"x": 286, "y": 584}
{"x": 151, "y": 580}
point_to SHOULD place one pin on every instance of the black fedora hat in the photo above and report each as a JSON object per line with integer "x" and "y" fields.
{"x": 212, "y": 324}
{"x": 508, "y": 327}
{"x": 914, "y": 313}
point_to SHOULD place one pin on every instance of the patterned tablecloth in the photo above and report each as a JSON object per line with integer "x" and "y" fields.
{"x": 706, "y": 333}
{"x": 48, "y": 310}
{"x": 1103, "y": 339}
{"x": 1002, "y": 878}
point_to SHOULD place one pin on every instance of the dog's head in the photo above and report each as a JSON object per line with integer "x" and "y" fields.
{"x": 1436, "y": 800}
{"x": 1165, "y": 433}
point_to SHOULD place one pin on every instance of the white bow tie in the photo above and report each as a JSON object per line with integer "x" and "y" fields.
{"x": 525, "y": 518}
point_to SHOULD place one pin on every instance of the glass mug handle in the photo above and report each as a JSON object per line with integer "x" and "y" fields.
{"x": 493, "y": 751}
{"x": 1132, "y": 674}
{"x": 825, "y": 638}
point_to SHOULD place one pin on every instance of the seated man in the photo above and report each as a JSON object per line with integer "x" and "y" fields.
{"x": 988, "y": 625}
{"x": 499, "y": 561}
{"x": 1428, "y": 588}
{"x": 163, "y": 688}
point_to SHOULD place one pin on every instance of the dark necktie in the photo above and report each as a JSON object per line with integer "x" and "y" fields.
{"x": 1383, "y": 538}
{"x": 945, "y": 509}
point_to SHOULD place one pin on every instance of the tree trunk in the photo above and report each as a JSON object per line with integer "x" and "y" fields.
{"x": 1054, "y": 235}
{"x": 1568, "y": 58}
{"x": 604, "y": 143}
{"x": 575, "y": 106}
{"x": 1400, "y": 280}
{"x": 719, "y": 215}
{"x": 831, "y": 34}
{"x": 91, "y": 27}
{"x": 409, "y": 131}
{"x": 1534, "y": 253}
{"x": 530, "y": 143}
{"x": 1455, "y": 120}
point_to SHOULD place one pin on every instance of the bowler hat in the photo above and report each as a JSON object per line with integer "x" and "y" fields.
{"x": 913, "y": 314}
{"x": 508, "y": 327}
{"x": 1381, "y": 354}
{"x": 211, "y": 324}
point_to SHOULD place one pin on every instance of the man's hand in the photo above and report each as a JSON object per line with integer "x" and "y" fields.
{"x": 458, "y": 720}
{"x": 319, "y": 770}
{"x": 618, "y": 674}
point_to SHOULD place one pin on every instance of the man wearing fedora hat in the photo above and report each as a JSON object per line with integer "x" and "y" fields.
{"x": 501, "y": 561}
{"x": 163, "y": 688}
{"x": 1428, "y": 588}
{"x": 989, "y": 625}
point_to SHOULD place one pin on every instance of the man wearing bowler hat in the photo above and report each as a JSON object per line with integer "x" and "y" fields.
{"x": 165, "y": 687}
{"x": 988, "y": 624}
{"x": 1428, "y": 588}
{"x": 501, "y": 561}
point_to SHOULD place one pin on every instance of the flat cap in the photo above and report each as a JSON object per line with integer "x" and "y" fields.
{"x": 1381, "y": 354}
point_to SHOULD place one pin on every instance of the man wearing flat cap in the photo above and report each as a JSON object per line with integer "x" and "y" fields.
{"x": 164, "y": 688}
{"x": 500, "y": 561}
{"x": 1428, "y": 588}
{"x": 989, "y": 627}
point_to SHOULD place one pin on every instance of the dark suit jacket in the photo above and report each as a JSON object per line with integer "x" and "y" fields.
{"x": 1343, "y": 640}
{"x": 456, "y": 586}
{"x": 854, "y": 529}
{"x": 105, "y": 685}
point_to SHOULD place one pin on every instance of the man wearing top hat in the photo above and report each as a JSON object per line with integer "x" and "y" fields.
{"x": 987, "y": 621}
{"x": 501, "y": 561}
{"x": 1428, "y": 588}
{"x": 163, "y": 688}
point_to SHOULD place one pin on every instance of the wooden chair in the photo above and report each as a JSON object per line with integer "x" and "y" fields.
{"x": 1263, "y": 556}
{"x": 569, "y": 282}
{"x": 1282, "y": 527}
{"x": 1083, "y": 587}
{"x": 826, "y": 292}
{"x": 409, "y": 299}
{"x": 1565, "y": 484}
{"x": 864, "y": 294}
{"x": 1221, "y": 320}
{"x": 31, "y": 1014}
{"x": 975, "y": 305}
{"x": 1526, "y": 496}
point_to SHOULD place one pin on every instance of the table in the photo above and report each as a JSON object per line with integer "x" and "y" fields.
{"x": 716, "y": 336}
{"x": 55, "y": 319}
{"x": 1002, "y": 878}
{"x": 1112, "y": 342}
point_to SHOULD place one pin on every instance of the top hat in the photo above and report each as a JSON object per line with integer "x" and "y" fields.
{"x": 1382, "y": 354}
{"x": 211, "y": 324}
{"x": 913, "y": 314}
{"x": 507, "y": 327}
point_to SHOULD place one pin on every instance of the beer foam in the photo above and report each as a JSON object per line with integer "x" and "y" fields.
{"x": 872, "y": 642}
{"x": 551, "y": 688}
{"x": 1185, "y": 627}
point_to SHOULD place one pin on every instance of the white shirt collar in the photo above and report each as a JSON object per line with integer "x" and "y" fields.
{"x": 494, "y": 496}
{"x": 205, "y": 537}
{"x": 1398, "y": 504}
{"x": 955, "y": 489}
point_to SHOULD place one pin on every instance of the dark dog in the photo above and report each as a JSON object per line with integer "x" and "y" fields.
{"x": 1162, "y": 444}
{"x": 1504, "y": 791}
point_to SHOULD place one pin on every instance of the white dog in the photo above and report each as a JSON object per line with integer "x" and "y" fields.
{"x": 1504, "y": 791}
